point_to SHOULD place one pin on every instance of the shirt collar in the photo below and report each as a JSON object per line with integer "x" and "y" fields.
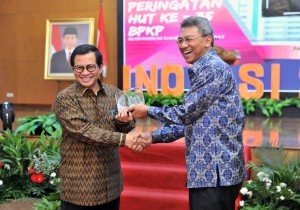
{"x": 202, "y": 59}
{"x": 83, "y": 89}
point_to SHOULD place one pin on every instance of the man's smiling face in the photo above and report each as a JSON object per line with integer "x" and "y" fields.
{"x": 192, "y": 44}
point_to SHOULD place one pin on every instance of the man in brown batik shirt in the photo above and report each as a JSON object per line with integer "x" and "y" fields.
{"x": 90, "y": 170}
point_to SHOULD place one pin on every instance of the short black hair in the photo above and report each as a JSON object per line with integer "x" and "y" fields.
{"x": 70, "y": 30}
{"x": 84, "y": 49}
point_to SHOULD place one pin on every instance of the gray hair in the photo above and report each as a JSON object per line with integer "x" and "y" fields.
{"x": 203, "y": 25}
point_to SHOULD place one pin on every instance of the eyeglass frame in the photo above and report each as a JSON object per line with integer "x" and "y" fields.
{"x": 187, "y": 40}
{"x": 85, "y": 67}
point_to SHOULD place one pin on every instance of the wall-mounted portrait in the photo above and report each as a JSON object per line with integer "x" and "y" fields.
{"x": 62, "y": 36}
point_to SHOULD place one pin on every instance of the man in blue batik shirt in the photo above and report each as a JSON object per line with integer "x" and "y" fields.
{"x": 211, "y": 120}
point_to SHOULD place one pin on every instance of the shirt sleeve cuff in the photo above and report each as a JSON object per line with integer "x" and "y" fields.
{"x": 150, "y": 111}
{"x": 122, "y": 140}
{"x": 155, "y": 137}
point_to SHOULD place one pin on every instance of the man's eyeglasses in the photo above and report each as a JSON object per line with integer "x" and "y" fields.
{"x": 187, "y": 40}
{"x": 89, "y": 67}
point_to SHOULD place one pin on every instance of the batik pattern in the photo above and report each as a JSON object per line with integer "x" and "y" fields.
{"x": 213, "y": 119}
{"x": 90, "y": 170}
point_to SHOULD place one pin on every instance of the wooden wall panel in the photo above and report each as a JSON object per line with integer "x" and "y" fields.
{"x": 8, "y": 45}
{"x": 8, "y": 6}
{"x": 22, "y": 45}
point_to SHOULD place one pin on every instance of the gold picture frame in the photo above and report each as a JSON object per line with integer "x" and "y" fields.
{"x": 62, "y": 34}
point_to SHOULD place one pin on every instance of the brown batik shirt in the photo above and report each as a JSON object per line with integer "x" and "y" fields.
{"x": 90, "y": 171}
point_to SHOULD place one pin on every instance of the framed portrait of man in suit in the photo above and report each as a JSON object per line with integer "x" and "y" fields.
{"x": 62, "y": 36}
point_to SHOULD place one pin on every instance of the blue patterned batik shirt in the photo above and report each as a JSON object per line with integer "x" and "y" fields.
{"x": 211, "y": 120}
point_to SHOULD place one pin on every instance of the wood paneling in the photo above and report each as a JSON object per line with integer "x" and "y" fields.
{"x": 22, "y": 45}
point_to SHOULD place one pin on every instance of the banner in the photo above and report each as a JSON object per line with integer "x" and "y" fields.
{"x": 268, "y": 46}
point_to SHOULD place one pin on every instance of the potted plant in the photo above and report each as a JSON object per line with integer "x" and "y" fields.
{"x": 262, "y": 107}
{"x": 161, "y": 100}
{"x": 271, "y": 107}
{"x": 277, "y": 181}
{"x": 36, "y": 125}
{"x": 15, "y": 156}
{"x": 28, "y": 169}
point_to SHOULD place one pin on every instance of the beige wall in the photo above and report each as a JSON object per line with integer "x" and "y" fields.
{"x": 22, "y": 45}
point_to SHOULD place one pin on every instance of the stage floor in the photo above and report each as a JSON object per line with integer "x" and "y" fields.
{"x": 279, "y": 131}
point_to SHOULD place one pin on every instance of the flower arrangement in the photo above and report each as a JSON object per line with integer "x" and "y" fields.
{"x": 15, "y": 153}
{"x": 264, "y": 194}
{"x": 276, "y": 185}
{"x": 28, "y": 168}
{"x": 42, "y": 172}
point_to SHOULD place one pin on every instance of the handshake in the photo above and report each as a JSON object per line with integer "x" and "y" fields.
{"x": 138, "y": 141}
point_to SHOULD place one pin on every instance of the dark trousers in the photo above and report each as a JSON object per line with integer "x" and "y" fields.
{"x": 113, "y": 205}
{"x": 214, "y": 198}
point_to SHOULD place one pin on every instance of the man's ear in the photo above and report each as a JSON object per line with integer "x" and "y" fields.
{"x": 101, "y": 68}
{"x": 208, "y": 40}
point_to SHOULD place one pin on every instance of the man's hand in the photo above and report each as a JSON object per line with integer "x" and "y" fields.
{"x": 138, "y": 111}
{"x": 138, "y": 141}
{"x": 124, "y": 116}
{"x": 146, "y": 138}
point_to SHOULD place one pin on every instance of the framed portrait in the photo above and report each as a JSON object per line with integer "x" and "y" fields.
{"x": 62, "y": 36}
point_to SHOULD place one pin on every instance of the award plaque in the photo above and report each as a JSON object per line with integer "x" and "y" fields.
{"x": 130, "y": 97}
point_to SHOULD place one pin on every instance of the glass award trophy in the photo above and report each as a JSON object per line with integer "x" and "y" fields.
{"x": 129, "y": 98}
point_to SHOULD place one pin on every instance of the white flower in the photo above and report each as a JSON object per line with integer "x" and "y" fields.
{"x": 242, "y": 203}
{"x": 260, "y": 175}
{"x": 266, "y": 180}
{"x": 282, "y": 185}
{"x": 51, "y": 181}
{"x": 1, "y": 182}
{"x": 278, "y": 188}
{"x": 6, "y": 166}
{"x": 281, "y": 198}
{"x": 244, "y": 191}
{"x": 250, "y": 194}
{"x": 250, "y": 181}
{"x": 268, "y": 185}
{"x": 53, "y": 174}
